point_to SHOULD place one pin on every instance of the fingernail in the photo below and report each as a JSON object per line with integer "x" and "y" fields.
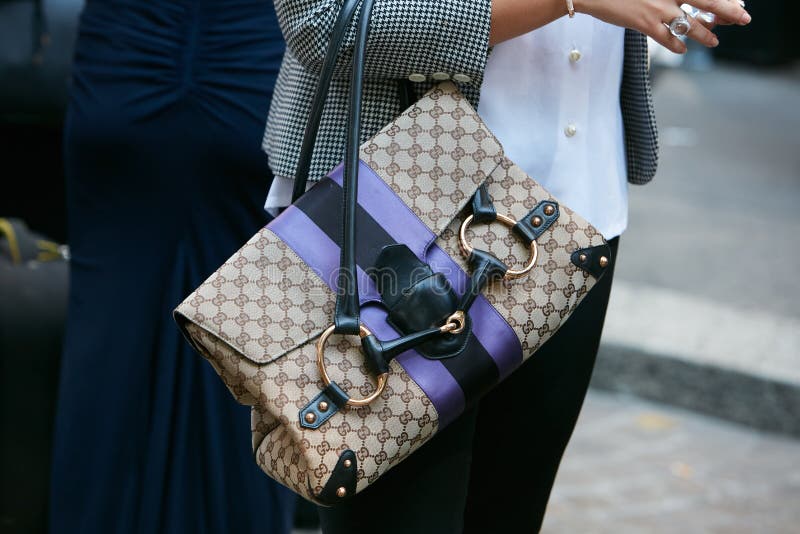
{"x": 746, "y": 18}
{"x": 714, "y": 41}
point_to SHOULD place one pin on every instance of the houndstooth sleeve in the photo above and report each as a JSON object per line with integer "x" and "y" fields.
{"x": 406, "y": 36}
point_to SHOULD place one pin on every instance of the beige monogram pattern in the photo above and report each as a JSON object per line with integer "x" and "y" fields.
{"x": 536, "y": 305}
{"x": 263, "y": 300}
{"x": 381, "y": 434}
{"x": 257, "y": 318}
{"x": 435, "y": 155}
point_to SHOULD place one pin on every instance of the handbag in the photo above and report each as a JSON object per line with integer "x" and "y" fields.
{"x": 393, "y": 294}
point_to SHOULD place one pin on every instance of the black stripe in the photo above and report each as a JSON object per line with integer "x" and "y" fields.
{"x": 323, "y": 205}
{"x": 474, "y": 369}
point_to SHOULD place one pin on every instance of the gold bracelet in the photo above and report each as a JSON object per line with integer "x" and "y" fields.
{"x": 570, "y": 8}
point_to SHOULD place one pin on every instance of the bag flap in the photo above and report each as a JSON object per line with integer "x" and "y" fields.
{"x": 265, "y": 300}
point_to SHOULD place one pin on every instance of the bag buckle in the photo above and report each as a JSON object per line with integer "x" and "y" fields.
{"x": 454, "y": 324}
{"x": 382, "y": 378}
{"x": 510, "y": 222}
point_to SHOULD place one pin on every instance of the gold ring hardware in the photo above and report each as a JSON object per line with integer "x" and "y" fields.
{"x": 467, "y": 249}
{"x": 454, "y": 324}
{"x": 382, "y": 378}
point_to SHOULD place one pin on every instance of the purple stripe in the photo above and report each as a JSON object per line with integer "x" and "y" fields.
{"x": 391, "y": 213}
{"x": 321, "y": 254}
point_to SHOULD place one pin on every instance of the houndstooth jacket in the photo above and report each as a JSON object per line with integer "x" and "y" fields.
{"x": 420, "y": 40}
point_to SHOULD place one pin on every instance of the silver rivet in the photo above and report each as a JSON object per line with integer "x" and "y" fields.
{"x": 582, "y": 258}
{"x": 310, "y": 417}
{"x": 323, "y": 406}
{"x": 549, "y": 210}
{"x": 341, "y": 492}
{"x": 603, "y": 261}
{"x": 537, "y": 221}
{"x": 570, "y": 130}
{"x": 574, "y": 55}
{"x": 348, "y": 463}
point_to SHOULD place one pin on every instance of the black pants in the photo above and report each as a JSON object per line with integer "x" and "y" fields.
{"x": 492, "y": 469}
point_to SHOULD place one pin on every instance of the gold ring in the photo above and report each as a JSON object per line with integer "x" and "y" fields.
{"x": 455, "y": 323}
{"x": 382, "y": 378}
{"x": 467, "y": 249}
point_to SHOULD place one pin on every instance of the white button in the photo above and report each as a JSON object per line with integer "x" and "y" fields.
{"x": 417, "y": 77}
{"x": 440, "y": 76}
{"x": 574, "y": 55}
{"x": 463, "y": 78}
{"x": 570, "y": 130}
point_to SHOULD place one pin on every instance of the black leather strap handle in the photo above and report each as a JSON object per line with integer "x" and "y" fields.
{"x": 338, "y": 33}
{"x": 346, "y": 317}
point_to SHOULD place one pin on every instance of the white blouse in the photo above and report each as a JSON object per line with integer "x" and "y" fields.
{"x": 552, "y": 99}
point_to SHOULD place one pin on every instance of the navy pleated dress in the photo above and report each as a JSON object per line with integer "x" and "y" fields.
{"x": 165, "y": 180}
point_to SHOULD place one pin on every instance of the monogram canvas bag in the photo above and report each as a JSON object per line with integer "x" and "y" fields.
{"x": 392, "y": 295}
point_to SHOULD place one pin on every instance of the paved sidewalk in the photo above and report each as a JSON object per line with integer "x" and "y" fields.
{"x": 637, "y": 467}
{"x": 704, "y": 310}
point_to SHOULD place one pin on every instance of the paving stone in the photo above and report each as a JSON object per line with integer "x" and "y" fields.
{"x": 638, "y": 467}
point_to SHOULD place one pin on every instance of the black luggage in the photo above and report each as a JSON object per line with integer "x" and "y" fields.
{"x": 33, "y": 302}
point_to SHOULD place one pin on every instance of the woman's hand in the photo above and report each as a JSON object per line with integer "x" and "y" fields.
{"x": 651, "y": 16}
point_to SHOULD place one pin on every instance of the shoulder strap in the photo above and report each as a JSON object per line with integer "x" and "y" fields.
{"x": 338, "y": 33}
{"x": 346, "y": 317}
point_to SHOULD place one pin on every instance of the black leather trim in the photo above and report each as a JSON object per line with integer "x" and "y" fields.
{"x": 341, "y": 477}
{"x": 485, "y": 268}
{"x": 380, "y": 353}
{"x": 525, "y": 227}
{"x": 336, "y": 394}
{"x": 406, "y": 94}
{"x": 438, "y": 347}
{"x": 397, "y": 270}
{"x": 483, "y": 210}
{"x": 336, "y": 399}
{"x": 377, "y": 362}
{"x": 592, "y": 262}
{"x": 417, "y": 299}
{"x": 346, "y": 315}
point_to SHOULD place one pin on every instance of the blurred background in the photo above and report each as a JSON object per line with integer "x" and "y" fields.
{"x": 693, "y": 420}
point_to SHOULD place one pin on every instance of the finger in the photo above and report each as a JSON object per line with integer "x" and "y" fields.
{"x": 701, "y": 34}
{"x": 725, "y": 10}
{"x": 705, "y": 23}
{"x": 715, "y": 21}
{"x": 661, "y": 34}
